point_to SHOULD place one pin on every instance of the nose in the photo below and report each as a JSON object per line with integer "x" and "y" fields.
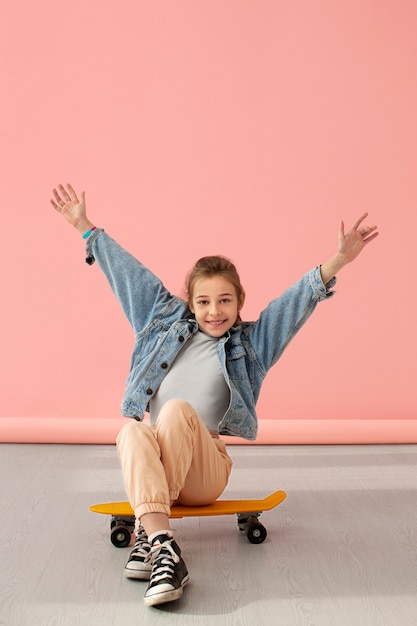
{"x": 214, "y": 309}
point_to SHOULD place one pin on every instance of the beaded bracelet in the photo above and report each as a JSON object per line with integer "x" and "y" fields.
{"x": 88, "y": 233}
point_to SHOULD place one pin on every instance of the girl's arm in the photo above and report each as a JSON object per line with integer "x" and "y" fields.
{"x": 140, "y": 293}
{"x": 278, "y": 324}
{"x": 284, "y": 316}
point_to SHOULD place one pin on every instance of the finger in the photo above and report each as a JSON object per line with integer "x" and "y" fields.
{"x": 54, "y": 204}
{"x": 64, "y": 193}
{"x": 370, "y": 238}
{"x": 73, "y": 195}
{"x": 57, "y": 196}
{"x": 359, "y": 221}
{"x": 366, "y": 231}
{"x": 341, "y": 234}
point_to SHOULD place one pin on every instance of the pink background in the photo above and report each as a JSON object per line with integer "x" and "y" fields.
{"x": 247, "y": 128}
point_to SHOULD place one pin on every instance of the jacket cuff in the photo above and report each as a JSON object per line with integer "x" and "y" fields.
{"x": 89, "y": 256}
{"x": 321, "y": 290}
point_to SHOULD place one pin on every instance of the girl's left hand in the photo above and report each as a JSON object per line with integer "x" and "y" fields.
{"x": 354, "y": 241}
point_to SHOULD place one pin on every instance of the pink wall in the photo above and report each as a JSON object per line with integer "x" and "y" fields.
{"x": 248, "y": 128}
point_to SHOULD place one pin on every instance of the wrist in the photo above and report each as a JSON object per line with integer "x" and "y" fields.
{"x": 332, "y": 267}
{"x": 89, "y": 232}
{"x": 83, "y": 225}
{"x": 338, "y": 261}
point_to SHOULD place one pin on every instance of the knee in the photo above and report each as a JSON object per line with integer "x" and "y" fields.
{"x": 176, "y": 415}
{"x": 133, "y": 431}
{"x": 175, "y": 412}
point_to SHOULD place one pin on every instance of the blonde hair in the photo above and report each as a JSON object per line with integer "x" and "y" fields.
{"x": 209, "y": 266}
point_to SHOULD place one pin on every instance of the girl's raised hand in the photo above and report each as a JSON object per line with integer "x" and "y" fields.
{"x": 350, "y": 246}
{"x": 353, "y": 242}
{"x": 71, "y": 206}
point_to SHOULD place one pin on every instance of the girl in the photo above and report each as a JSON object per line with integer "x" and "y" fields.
{"x": 198, "y": 369}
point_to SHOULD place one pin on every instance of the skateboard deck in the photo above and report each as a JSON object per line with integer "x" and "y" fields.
{"x": 247, "y": 511}
{"x": 220, "y": 507}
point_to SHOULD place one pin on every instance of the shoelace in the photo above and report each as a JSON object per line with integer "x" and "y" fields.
{"x": 163, "y": 558}
{"x": 142, "y": 546}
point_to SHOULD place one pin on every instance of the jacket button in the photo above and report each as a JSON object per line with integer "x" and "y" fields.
{"x": 164, "y": 366}
{"x": 181, "y": 338}
{"x": 149, "y": 392}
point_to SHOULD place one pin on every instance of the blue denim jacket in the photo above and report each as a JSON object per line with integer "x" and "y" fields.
{"x": 163, "y": 323}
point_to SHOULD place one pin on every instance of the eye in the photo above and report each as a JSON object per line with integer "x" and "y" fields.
{"x": 225, "y": 301}
{"x": 202, "y": 302}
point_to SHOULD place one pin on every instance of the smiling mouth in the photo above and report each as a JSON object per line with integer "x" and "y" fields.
{"x": 216, "y": 323}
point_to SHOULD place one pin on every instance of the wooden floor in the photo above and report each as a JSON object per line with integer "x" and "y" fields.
{"x": 341, "y": 550}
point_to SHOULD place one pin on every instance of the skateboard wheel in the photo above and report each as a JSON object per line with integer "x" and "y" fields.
{"x": 120, "y": 536}
{"x": 256, "y": 532}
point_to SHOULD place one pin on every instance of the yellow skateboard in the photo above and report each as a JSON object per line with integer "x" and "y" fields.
{"x": 248, "y": 511}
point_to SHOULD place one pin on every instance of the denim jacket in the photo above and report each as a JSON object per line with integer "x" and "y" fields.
{"x": 163, "y": 323}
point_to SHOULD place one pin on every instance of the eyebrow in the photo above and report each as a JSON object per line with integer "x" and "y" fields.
{"x": 221, "y": 295}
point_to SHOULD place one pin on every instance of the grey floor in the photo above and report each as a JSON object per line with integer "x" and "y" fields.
{"x": 341, "y": 550}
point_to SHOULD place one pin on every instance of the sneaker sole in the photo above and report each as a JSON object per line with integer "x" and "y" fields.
{"x": 167, "y": 596}
{"x": 136, "y": 575}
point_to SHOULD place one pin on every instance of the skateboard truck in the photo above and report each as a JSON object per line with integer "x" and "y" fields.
{"x": 121, "y": 530}
{"x": 249, "y": 524}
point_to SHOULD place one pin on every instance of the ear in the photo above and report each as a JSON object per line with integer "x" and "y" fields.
{"x": 241, "y": 301}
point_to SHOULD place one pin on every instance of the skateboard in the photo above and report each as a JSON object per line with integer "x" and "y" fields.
{"x": 122, "y": 523}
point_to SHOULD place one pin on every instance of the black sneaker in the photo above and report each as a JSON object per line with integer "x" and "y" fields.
{"x": 139, "y": 565}
{"x": 169, "y": 572}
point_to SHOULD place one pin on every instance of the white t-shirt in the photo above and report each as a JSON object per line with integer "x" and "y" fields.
{"x": 196, "y": 376}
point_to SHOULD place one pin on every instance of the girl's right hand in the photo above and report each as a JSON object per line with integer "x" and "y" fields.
{"x": 71, "y": 207}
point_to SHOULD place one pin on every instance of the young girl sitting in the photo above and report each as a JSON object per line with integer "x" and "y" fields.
{"x": 198, "y": 369}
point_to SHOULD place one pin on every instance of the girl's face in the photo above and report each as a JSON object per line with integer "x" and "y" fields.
{"x": 215, "y": 305}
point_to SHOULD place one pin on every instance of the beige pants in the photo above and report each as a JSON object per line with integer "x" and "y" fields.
{"x": 177, "y": 461}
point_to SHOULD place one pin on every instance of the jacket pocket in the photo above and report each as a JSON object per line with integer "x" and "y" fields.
{"x": 236, "y": 364}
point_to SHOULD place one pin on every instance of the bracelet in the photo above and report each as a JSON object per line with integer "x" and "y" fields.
{"x": 88, "y": 233}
